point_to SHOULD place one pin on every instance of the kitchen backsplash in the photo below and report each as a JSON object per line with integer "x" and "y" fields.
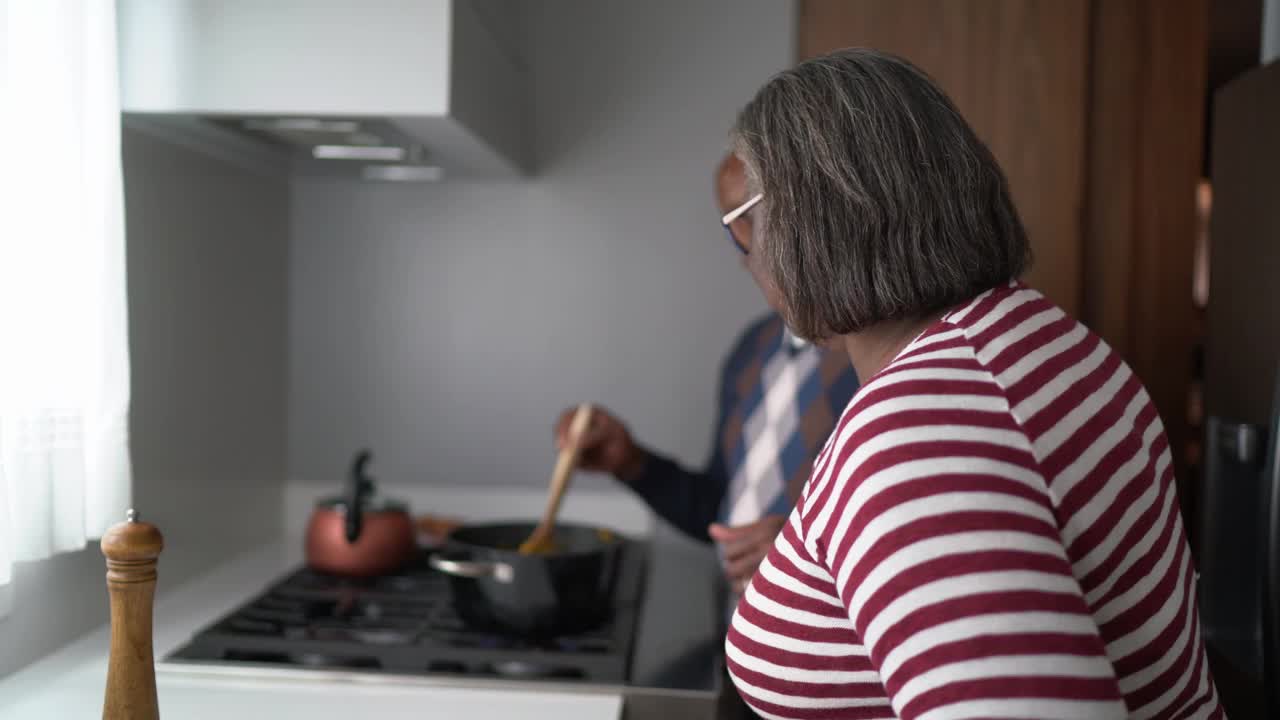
{"x": 446, "y": 326}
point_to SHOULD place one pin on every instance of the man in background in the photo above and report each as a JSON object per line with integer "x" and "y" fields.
{"x": 779, "y": 399}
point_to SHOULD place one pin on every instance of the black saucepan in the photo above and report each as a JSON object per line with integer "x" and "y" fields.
{"x": 542, "y": 595}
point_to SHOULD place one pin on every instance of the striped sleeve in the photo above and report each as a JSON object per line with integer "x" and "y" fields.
{"x": 940, "y": 536}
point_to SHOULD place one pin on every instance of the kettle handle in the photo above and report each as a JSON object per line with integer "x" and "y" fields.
{"x": 360, "y": 487}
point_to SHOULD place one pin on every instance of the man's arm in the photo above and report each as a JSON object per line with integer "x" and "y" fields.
{"x": 689, "y": 500}
{"x": 685, "y": 498}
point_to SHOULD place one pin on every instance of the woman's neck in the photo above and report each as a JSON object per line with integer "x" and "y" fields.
{"x": 874, "y": 348}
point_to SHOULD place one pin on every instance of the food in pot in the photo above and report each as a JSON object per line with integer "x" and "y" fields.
{"x": 433, "y": 530}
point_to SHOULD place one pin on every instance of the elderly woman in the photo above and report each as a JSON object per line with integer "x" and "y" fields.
{"x": 992, "y": 530}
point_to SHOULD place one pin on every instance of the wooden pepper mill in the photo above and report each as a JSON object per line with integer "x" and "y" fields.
{"x": 132, "y": 549}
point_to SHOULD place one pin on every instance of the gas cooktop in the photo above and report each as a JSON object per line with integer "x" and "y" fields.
{"x": 405, "y": 624}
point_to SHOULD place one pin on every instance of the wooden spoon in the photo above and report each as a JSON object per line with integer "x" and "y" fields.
{"x": 541, "y": 540}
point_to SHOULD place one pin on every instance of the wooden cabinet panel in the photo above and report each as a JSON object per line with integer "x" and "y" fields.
{"x": 1145, "y": 152}
{"x": 1017, "y": 69}
{"x": 1094, "y": 109}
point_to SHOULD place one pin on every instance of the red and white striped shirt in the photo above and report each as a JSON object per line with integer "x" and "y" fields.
{"x": 991, "y": 531}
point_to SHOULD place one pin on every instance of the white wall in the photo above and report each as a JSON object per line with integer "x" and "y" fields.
{"x": 207, "y": 271}
{"x": 446, "y": 325}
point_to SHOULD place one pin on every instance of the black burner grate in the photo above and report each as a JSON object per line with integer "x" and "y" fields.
{"x": 405, "y": 623}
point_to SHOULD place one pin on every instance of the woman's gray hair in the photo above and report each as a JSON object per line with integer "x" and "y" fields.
{"x": 880, "y": 202}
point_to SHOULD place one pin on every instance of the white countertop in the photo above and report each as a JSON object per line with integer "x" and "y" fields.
{"x": 69, "y": 683}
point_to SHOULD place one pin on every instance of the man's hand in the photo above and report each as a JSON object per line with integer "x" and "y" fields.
{"x": 605, "y": 446}
{"x": 744, "y": 546}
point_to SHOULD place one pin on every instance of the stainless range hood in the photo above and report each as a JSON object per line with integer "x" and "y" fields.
{"x": 407, "y": 90}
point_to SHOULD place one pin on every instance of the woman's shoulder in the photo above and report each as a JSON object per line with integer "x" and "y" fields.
{"x": 934, "y": 398}
{"x": 940, "y": 369}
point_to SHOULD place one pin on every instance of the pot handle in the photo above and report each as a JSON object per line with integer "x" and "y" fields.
{"x": 500, "y": 571}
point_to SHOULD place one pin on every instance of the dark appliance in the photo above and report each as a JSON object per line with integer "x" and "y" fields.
{"x": 1238, "y": 523}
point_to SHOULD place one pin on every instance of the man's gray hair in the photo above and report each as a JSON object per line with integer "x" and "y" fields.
{"x": 880, "y": 202}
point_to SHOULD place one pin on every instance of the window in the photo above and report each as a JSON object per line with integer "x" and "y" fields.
{"x": 64, "y": 368}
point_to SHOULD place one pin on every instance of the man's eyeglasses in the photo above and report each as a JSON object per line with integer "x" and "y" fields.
{"x": 743, "y": 244}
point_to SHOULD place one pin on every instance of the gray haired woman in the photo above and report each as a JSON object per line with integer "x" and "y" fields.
{"x": 992, "y": 529}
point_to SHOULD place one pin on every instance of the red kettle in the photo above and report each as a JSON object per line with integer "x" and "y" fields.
{"x": 357, "y": 533}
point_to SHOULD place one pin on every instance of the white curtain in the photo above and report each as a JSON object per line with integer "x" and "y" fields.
{"x": 64, "y": 365}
